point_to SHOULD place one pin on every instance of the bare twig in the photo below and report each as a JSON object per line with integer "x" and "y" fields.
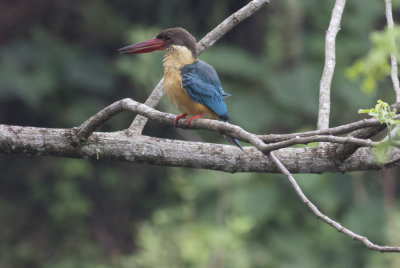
{"x": 393, "y": 58}
{"x": 339, "y": 130}
{"x": 329, "y": 67}
{"x": 139, "y": 122}
{"x": 320, "y": 138}
{"x": 325, "y": 218}
{"x": 363, "y": 129}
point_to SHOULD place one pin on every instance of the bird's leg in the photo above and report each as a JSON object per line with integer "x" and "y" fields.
{"x": 193, "y": 117}
{"x": 179, "y": 117}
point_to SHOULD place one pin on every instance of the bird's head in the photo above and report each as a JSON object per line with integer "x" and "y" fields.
{"x": 167, "y": 39}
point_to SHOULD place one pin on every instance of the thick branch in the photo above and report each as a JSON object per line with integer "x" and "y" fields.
{"x": 329, "y": 67}
{"x": 207, "y": 41}
{"x": 325, "y": 218}
{"x": 123, "y": 146}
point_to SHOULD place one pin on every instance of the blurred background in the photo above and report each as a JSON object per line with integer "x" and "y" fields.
{"x": 59, "y": 66}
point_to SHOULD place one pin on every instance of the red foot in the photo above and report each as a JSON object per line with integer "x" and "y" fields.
{"x": 179, "y": 117}
{"x": 193, "y": 117}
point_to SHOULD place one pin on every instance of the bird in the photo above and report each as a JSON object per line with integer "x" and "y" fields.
{"x": 192, "y": 85}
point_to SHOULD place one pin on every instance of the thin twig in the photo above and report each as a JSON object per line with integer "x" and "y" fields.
{"x": 351, "y": 129}
{"x": 339, "y": 130}
{"x": 329, "y": 67}
{"x": 393, "y": 58}
{"x": 320, "y": 138}
{"x": 139, "y": 122}
{"x": 322, "y": 216}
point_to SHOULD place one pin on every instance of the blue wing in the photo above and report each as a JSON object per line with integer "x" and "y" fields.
{"x": 202, "y": 84}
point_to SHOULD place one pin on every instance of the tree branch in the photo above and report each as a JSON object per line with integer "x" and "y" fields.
{"x": 233, "y": 20}
{"x": 329, "y": 67}
{"x": 125, "y": 146}
{"x": 320, "y": 138}
{"x": 325, "y": 218}
{"x": 339, "y": 130}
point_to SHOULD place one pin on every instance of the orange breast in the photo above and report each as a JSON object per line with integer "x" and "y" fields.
{"x": 179, "y": 97}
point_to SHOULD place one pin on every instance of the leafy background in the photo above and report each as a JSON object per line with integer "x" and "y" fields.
{"x": 58, "y": 66}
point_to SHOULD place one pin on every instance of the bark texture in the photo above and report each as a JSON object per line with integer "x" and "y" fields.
{"x": 127, "y": 146}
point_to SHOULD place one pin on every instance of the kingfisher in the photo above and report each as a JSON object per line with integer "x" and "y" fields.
{"x": 191, "y": 85}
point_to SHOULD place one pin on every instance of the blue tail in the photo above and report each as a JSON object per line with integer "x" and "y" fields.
{"x": 225, "y": 118}
{"x": 233, "y": 141}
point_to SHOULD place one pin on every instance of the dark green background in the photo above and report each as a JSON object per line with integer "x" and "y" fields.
{"x": 59, "y": 66}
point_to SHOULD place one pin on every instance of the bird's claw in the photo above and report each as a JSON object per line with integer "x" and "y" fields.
{"x": 191, "y": 118}
{"x": 179, "y": 117}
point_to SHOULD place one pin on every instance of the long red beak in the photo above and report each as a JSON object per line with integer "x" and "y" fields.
{"x": 145, "y": 46}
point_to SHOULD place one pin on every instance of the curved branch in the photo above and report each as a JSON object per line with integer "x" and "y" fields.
{"x": 85, "y": 130}
{"x": 88, "y": 127}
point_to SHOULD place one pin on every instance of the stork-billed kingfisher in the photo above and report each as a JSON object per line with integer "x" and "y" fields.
{"x": 192, "y": 85}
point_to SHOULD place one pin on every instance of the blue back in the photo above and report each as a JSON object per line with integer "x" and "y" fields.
{"x": 202, "y": 84}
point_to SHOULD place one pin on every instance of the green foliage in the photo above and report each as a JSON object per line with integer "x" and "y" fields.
{"x": 191, "y": 244}
{"x": 384, "y": 113}
{"x": 376, "y": 65}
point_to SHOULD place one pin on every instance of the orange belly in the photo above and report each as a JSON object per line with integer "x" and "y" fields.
{"x": 181, "y": 100}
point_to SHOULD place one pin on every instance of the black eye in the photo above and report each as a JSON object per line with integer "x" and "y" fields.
{"x": 167, "y": 38}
